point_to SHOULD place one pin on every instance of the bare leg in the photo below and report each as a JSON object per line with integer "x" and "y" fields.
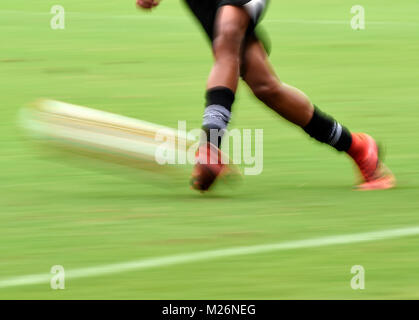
{"x": 287, "y": 101}
{"x": 230, "y": 29}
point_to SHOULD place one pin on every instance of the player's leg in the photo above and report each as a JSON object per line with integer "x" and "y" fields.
{"x": 230, "y": 25}
{"x": 234, "y": 19}
{"x": 230, "y": 28}
{"x": 295, "y": 106}
{"x": 287, "y": 101}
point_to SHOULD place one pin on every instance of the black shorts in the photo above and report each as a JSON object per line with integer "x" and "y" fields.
{"x": 206, "y": 11}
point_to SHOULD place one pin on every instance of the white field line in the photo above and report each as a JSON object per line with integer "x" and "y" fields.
{"x": 210, "y": 255}
{"x": 143, "y": 16}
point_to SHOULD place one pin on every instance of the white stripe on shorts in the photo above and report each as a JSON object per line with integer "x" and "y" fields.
{"x": 255, "y": 9}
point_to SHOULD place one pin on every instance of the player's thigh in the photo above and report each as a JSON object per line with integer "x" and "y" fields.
{"x": 231, "y": 22}
{"x": 205, "y": 11}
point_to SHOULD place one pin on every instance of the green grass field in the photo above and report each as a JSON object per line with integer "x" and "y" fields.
{"x": 154, "y": 67}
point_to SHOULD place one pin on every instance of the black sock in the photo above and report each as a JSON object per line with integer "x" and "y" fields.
{"x": 217, "y": 113}
{"x": 325, "y": 129}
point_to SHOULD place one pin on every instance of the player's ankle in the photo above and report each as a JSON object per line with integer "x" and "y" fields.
{"x": 217, "y": 113}
{"x": 356, "y": 147}
{"x": 327, "y": 130}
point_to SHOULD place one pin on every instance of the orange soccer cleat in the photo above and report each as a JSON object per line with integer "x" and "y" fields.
{"x": 365, "y": 153}
{"x": 211, "y": 164}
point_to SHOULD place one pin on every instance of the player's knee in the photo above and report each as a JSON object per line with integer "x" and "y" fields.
{"x": 266, "y": 89}
{"x": 229, "y": 38}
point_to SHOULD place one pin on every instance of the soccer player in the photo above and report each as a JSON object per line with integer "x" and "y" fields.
{"x": 238, "y": 52}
